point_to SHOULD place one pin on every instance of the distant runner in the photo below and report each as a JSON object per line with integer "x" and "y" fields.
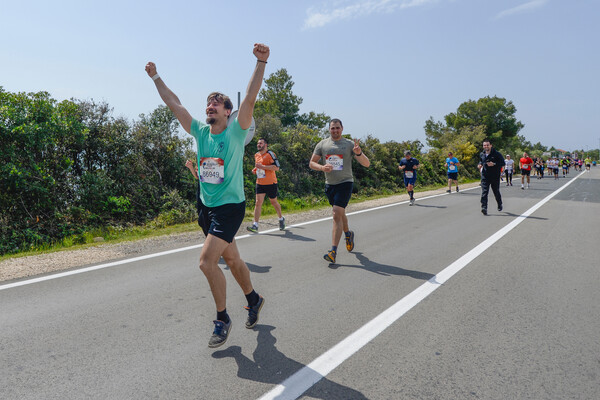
{"x": 408, "y": 165}
{"x": 490, "y": 165}
{"x": 265, "y": 166}
{"x": 525, "y": 163}
{"x": 508, "y": 169}
{"x": 452, "y": 171}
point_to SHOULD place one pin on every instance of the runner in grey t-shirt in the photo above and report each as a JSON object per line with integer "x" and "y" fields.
{"x": 337, "y": 153}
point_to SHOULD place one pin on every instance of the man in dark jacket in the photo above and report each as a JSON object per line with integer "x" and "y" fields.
{"x": 490, "y": 166}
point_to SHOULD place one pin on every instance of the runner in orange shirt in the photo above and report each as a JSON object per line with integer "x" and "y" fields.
{"x": 266, "y": 164}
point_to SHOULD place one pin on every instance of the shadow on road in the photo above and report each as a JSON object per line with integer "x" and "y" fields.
{"x": 272, "y": 366}
{"x": 509, "y": 214}
{"x": 428, "y": 206}
{"x": 288, "y": 234}
{"x": 383, "y": 269}
{"x": 259, "y": 269}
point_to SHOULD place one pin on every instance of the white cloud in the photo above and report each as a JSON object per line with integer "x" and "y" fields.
{"x": 529, "y": 6}
{"x": 317, "y": 19}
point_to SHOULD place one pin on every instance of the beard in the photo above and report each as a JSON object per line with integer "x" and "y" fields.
{"x": 211, "y": 120}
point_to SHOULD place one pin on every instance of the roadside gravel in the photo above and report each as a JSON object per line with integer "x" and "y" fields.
{"x": 22, "y": 267}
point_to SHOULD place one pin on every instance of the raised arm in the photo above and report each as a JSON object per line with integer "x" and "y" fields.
{"x": 359, "y": 155}
{"x": 244, "y": 117}
{"x": 170, "y": 99}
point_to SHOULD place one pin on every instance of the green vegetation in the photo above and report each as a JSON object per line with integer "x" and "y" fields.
{"x": 71, "y": 172}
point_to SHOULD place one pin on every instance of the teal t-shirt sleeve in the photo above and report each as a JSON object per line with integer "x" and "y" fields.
{"x": 195, "y": 127}
{"x": 237, "y": 129}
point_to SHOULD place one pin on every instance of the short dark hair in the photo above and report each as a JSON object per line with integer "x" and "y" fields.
{"x": 336, "y": 120}
{"x": 263, "y": 139}
{"x": 487, "y": 140}
{"x": 220, "y": 98}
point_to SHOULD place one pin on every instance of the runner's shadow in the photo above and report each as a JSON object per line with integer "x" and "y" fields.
{"x": 291, "y": 236}
{"x": 428, "y": 206}
{"x": 508, "y": 214}
{"x": 383, "y": 269}
{"x": 269, "y": 365}
{"x": 252, "y": 267}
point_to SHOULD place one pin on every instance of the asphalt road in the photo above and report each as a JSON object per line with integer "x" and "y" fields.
{"x": 504, "y": 306}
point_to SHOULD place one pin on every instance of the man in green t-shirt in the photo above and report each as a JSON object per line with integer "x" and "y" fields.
{"x": 337, "y": 153}
{"x": 222, "y": 203}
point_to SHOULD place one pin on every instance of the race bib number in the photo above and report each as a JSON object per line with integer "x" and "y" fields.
{"x": 212, "y": 170}
{"x": 336, "y": 160}
{"x": 260, "y": 173}
{"x": 452, "y": 168}
{"x": 408, "y": 174}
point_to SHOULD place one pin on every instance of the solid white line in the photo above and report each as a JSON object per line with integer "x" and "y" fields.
{"x": 130, "y": 260}
{"x": 301, "y": 381}
{"x": 96, "y": 267}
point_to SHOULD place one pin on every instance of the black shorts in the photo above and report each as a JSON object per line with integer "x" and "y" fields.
{"x": 221, "y": 221}
{"x": 339, "y": 195}
{"x": 525, "y": 172}
{"x": 270, "y": 190}
{"x": 453, "y": 176}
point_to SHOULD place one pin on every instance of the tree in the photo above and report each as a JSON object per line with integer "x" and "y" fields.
{"x": 278, "y": 100}
{"x": 495, "y": 113}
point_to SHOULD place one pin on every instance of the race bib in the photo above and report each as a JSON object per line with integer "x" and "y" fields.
{"x": 212, "y": 170}
{"x": 452, "y": 168}
{"x": 260, "y": 173}
{"x": 335, "y": 160}
{"x": 408, "y": 174}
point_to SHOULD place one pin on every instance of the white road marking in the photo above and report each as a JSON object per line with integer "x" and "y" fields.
{"x": 294, "y": 386}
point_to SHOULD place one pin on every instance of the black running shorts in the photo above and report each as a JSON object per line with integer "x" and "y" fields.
{"x": 269, "y": 190}
{"x": 339, "y": 195}
{"x": 221, "y": 221}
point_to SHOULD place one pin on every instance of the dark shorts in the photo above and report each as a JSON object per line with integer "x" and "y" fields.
{"x": 525, "y": 172}
{"x": 453, "y": 175}
{"x": 410, "y": 181}
{"x": 270, "y": 190}
{"x": 339, "y": 195}
{"x": 221, "y": 221}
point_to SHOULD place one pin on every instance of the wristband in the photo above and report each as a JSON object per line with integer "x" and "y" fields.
{"x": 261, "y": 61}
{"x": 358, "y": 155}
{"x": 155, "y": 77}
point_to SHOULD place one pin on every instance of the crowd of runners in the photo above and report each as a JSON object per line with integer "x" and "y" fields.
{"x": 221, "y": 201}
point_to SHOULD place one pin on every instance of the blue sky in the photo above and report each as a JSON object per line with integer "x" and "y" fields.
{"x": 382, "y": 66}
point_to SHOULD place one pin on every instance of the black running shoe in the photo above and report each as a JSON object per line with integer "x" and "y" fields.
{"x": 253, "y": 313}
{"x": 220, "y": 334}
{"x": 484, "y": 211}
{"x": 282, "y": 224}
{"x": 500, "y": 207}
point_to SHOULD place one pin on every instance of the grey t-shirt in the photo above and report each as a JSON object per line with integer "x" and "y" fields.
{"x": 339, "y": 154}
